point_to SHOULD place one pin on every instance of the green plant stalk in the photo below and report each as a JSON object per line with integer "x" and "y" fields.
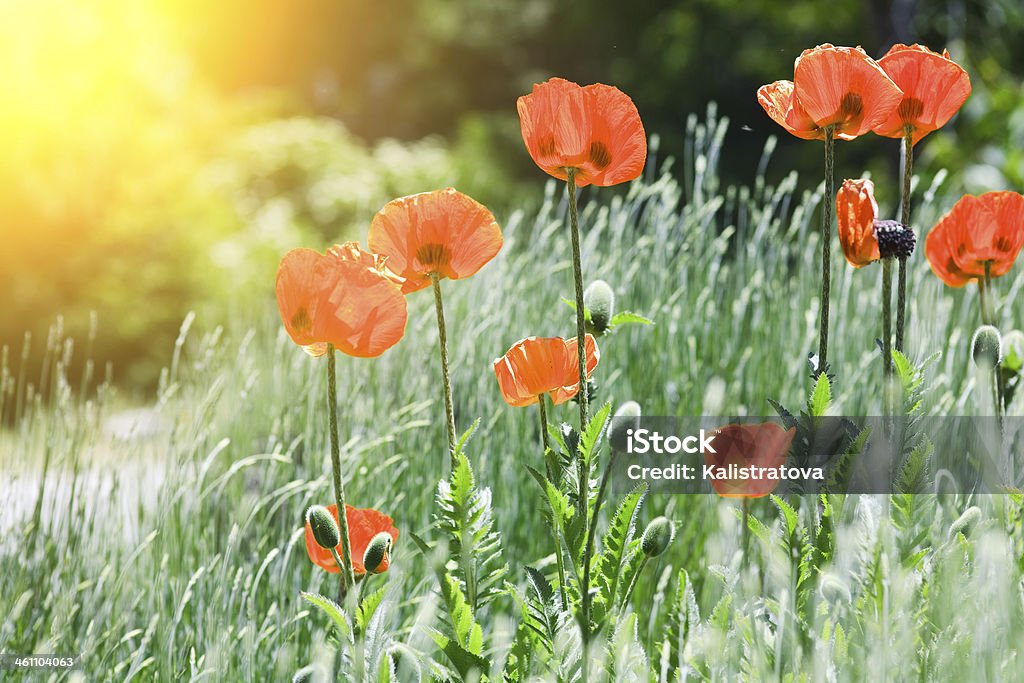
{"x": 632, "y": 584}
{"x": 588, "y": 552}
{"x": 581, "y": 322}
{"x": 988, "y": 317}
{"x": 442, "y": 332}
{"x": 557, "y": 528}
{"x": 745, "y": 532}
{"x": 348, "y": 578}
{"x": 826, "y": 247}
{"x": 901, "y": 284}
{"x": 887, "y": 335}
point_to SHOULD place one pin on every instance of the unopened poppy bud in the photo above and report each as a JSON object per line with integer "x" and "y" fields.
{"x": 599, "y": 299}
{"x": 657, "y": 536}
{"x": 571, "y": 438}
{"x": 986, "y": 347}
{"x": 894, "y": 239}
{"x": 376, "y": 552}
{"x": 303, "y": 675}
{"x": 627, "y": 417}
{"x": 966, "y": 522}
{"x": 325, "y": 529}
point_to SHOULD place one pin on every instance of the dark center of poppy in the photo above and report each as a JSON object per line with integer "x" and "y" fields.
{"x": 599, "y": 155}
{"x": 851, "y": 106}
{"x": 300, "y": 321}
{"x": 1003, "y": 244}
{"x": 894, "y": 239}
{"x": 910, "y": 109}
{"x": 546, "y": 147}
{"x": 433, "y": 256}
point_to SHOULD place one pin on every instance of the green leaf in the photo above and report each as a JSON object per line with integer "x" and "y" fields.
{"x": 629, "y": 318}
{"x": 331, "y": 609}
{"x": 788, "y": 514}
{"x": 608, "y": 566}
{"x": 367, "y": 608}
{"x": 821, "y": 398}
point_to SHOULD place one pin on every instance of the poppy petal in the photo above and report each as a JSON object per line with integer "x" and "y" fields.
{"x": 363, "y": 525}
{"x": 856, "y": 211}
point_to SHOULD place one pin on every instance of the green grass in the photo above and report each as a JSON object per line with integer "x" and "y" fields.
{"x": 176, "y": 553}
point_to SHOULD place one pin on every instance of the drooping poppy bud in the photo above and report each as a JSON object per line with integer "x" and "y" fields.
{"x": 377, "y": 552}
{"x": 599, "y": 299}
{"x": 657, "y": 536}
{"x": 325, "y": 529}
{"x": 987, "y": 346}
{"x": 966, "y": 522}
{"x": 626, "y": 417}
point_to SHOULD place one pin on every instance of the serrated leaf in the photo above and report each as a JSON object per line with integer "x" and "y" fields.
{"x": 788, "y": 513}
{"x": 332, "y": 610}
{"x": 629, "y": 318}
{"x": 821, "y": 397}
{"x": 368, "y": 607}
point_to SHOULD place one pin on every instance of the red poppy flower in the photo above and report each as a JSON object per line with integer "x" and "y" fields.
{"x": 832, "y": 86}
{"x": 538, "y": 365}
{"x": 856, "y": 212}
{"x": 934, "y": 88}
{"x": 443, "y": 232}
{"x": 988, "y": 229}
{"x": 762, "y": 445}
{"x": 363, "y": 525}
{"x": 594, "y": 129}
{"x": 344, "y": 297}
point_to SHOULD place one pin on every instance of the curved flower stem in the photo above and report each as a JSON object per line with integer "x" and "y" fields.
{"x": 442, "y": 332}
{"x": 348, "y": 578}
{"x": 556, "y": 527}
{"x": 901, "y": 286}
{"x": 826, "y": 247}
{"x": 581, "y": 322}
{"x": 632, "y": 584}
{"x": 887, "y": 336}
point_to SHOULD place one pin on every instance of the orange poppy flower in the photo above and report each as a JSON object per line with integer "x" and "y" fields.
{"x": 832, "y": 86}
{"x": 543, "y": 365}
{"x": 344, "y": 297}
{"x": 988, "y": 229}
{"x": 934, "y": 88}
{"x": 363, "y": 525}
{"x": 594, "y": 129}
{"x": 856, "y": 212}
{"x": 755, "y": 445}
{"x": 443, "y": 232}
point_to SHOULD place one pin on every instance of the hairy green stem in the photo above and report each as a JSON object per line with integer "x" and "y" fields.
{"x": 988, "y": 317}
{"x": 557, "y": 527}
{"x": 826, "y": 247}
{"x": 901, "y": 286}
{"x": 887, "y": 335}
{"x": 581, "y": 322}
{"x": 348, "y": 578}
{"x": 442, "y": 332}
{"x": 588, "y": 552}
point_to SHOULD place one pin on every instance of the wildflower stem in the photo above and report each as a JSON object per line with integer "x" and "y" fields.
{"x": 901, "y": 281}
{"x": 988, "y": 317}
{"x": 632, "y": 584}
{"x": 745, "y": 532}
{"x": 348, "y": 578}
{"x": 581, "y": 323}
{"x": 557, "y": 530}
{"x": 442, "y": 332}
{"x": 588, "y": 552}
{"x": 887, "y": 334}
{"x": 826, "y": 247}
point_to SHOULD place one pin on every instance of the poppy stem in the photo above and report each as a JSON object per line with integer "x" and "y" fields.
{"x": 901, "y": 286}
{"x": 442, "y": 332}
{"x": 988, "y": 317}
{"x": 581, "y": 322}
{"x": 559, "y": 561}
{"x": 826, "y": 248}
{"x": 348, "y": 578}
{"x": 887, "y": 335}
{"x": 745, "y": 532}
{"x": 588, "y": 552}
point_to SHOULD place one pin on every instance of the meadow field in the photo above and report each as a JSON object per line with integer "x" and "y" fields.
{"x": 163, "y": 540}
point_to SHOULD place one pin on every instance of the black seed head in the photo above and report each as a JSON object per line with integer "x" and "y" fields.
{"x": 894, "y": 239}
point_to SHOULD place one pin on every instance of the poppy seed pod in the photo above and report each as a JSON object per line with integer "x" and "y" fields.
{"x": 966, "y": 522}
{"x": 377, "y": 552}
{"x": 626, "y": 417}
{"x": 657, "y": 536}
{"x": 894, "y": 239}
{"x": 325, "y": 529}
{"x": 599, "y": 299}
{"x": 986, "y": 346}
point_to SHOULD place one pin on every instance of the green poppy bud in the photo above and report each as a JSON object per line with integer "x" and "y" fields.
{"x": 599, "y": 299}
{"x": 626, "y": 417}
{"x": 966, "y": 522}
{"x": 376, "y": 552}
{"x": 987, "y": 346}
{"x": 303, "y": 675}
{"x": 657, "y": 536}
{"x": 325, "y": 528}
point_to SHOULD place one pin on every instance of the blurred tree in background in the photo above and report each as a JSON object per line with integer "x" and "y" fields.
{"x": 160, "y": 155}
